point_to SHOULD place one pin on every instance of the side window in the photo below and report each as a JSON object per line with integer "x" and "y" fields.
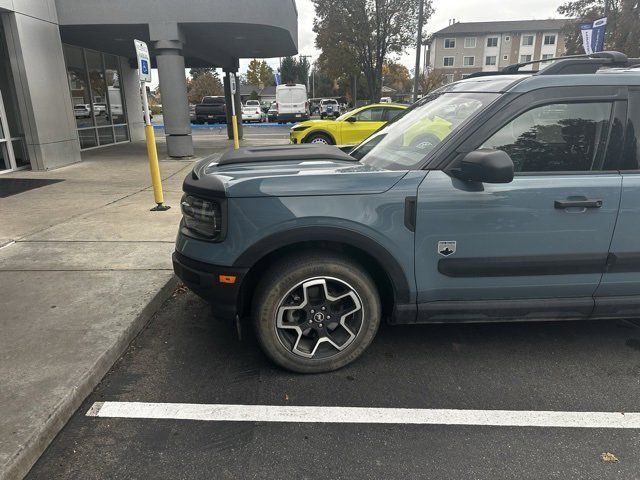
{"x": 370, "y": 115}
{"x": 560, "y": 137}
{"x": 392, "y": 113}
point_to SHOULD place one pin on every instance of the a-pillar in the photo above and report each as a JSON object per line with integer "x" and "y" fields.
{"x": 227, "y": 97}
{"x": 168, "y": 42}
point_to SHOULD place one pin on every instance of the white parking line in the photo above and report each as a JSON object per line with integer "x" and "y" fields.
{"x": 296, "y": 414}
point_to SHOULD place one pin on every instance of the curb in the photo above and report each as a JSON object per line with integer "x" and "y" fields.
{"x": 18, "y": 466}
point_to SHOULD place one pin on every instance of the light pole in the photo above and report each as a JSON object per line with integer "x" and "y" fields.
{"x": 416, "y": 73}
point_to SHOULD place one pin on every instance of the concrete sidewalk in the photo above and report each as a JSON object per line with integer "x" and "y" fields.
{"x": 84, "y": 266}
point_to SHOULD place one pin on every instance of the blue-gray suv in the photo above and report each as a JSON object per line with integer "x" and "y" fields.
{"x": 497, "y": 198}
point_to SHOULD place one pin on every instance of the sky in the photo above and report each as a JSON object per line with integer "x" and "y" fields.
{"x": 461, "y": 10}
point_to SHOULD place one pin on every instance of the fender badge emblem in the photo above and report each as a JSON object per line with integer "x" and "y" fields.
{"x": 446, "y": 248}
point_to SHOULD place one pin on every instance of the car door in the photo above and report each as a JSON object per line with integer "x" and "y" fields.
{"x": 537, "y": 243}
{"x": 619, "y": 292}
{"x": 366, "y": 122}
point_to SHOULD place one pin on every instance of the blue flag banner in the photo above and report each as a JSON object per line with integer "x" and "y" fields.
{"x": 593, "y": 35}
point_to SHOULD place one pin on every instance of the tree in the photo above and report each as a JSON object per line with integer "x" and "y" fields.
{"x": 288, "y": 70}
{"x": 266, "y": 74}
{"x": 196, "y": 72}
{"x": 359, "y": 35}
{"x": 432, "y": 80}
{"x": 293, "y": 70}
{"x": 396, "y": 76}
{"x": 253, "y": 72}
{"x": 259, "y": 73}
{"x": 623, "y": 24}
{"x": 302, "y": 70}
{"x": 202, "y": 85}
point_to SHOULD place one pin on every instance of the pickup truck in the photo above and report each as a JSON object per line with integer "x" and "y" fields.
{"x": 211, "y": 110}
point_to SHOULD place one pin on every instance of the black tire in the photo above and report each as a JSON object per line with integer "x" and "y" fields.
{"x": 319, "y": 137}
{"x": 347, "y": 281}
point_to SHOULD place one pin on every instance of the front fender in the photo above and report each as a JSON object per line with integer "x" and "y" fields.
{"x": 324, "y": 233}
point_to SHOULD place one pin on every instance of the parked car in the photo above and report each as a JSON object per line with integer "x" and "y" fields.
{"x": 329, "y": 107}
{"x": 100, "y": 108}
{"x": 292, "y": 104}
{"x": 386, "y": 100}
{"x": 82, "y": 110}
{"x": 348, "y": 129}
{"x": 526, "y": 209}
{"x": 211, "y": 110}
{"x": 272, "y": 113}
{"x": 253, "y": 113}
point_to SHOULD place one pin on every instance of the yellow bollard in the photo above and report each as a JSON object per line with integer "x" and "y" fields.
{"x": 154, "y": 167}
{"x": 234, "y": 124}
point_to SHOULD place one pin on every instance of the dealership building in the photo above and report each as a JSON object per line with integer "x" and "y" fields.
{"x": 69, "y": 79}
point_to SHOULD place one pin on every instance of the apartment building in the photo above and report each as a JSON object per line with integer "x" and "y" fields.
{"x": 465, "y": 48}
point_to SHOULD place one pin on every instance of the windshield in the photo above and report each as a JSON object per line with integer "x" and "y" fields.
{"x": 405, "y": 142}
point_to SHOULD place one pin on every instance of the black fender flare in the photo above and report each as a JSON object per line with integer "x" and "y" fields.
{"x": 387, "y": 261}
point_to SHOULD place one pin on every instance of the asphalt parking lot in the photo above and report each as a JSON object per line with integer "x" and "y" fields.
{"x": 184, "y": 356}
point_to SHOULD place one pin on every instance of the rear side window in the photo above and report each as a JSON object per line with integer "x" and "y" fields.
{"x": 561, "y": 137}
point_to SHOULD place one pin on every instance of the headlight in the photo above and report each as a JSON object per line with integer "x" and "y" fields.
{"x": 202, "y": 217}
{"x": 299, "y": 129}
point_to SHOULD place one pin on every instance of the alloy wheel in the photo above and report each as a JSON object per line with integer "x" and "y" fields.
{"x": 319, "y": 317}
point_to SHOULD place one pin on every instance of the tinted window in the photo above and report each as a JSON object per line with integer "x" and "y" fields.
{"x": 557, "y": 137}
{"x": 370, "y": 115}
{"x": 393, "y": 113}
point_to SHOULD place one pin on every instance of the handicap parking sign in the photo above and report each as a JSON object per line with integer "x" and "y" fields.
{"x": 144, "y": 60}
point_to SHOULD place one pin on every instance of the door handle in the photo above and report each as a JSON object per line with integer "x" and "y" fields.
{"x": 579, "y": 202}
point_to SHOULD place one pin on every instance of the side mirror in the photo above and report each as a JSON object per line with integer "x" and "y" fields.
{"x": 351, "y": 119}
{"x": 486, "y": 166}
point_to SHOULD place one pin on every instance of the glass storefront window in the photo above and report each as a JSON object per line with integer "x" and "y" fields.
{"x": 98, "y": 88}
{"x": 122, "y": 133}
{"x": 105, "y": 135}
{"x": 4, "y": 157}
{"x": 116, "y": 105}
{"x": 19, "y": 153}
{"x": 80, "y": 96}
{"x": 87, "y": 138}
{"x": 13, "y": 154}
{"x": 96, "y": 93}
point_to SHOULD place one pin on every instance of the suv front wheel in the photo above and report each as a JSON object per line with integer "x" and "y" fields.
{"x": 316, "y": 313}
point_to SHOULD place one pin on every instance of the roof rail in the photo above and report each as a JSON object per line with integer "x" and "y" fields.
{"x": 570, "y": 64}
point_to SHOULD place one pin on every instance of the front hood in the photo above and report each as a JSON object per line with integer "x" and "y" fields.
{"x": 289, "y": 177}
{"x": 314, "y": 124}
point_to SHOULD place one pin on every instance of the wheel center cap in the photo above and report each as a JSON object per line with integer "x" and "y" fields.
{"x": 318, "y": 317}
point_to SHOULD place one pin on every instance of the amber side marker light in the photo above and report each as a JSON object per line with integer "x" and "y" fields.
{"x": 227, "y": 279}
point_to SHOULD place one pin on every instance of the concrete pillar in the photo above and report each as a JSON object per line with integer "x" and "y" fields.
{"x": 42, "y": 88}
{"x": 168, "y": 42}
{"x": 227, "y": 97}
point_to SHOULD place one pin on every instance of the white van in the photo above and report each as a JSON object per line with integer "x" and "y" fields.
{"x": 292, "y": 103}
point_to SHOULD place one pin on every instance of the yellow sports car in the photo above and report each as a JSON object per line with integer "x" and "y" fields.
{"x": 349, "y": 129}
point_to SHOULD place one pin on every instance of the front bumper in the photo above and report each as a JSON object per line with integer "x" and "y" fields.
{"x": 204, "y": 279}
{"x": 292, "y": 117}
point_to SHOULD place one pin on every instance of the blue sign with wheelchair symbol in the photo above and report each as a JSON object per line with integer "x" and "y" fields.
{"x": 144, "y": 65}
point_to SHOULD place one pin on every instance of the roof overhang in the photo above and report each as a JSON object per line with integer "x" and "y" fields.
{"x": 216, "y": 32}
